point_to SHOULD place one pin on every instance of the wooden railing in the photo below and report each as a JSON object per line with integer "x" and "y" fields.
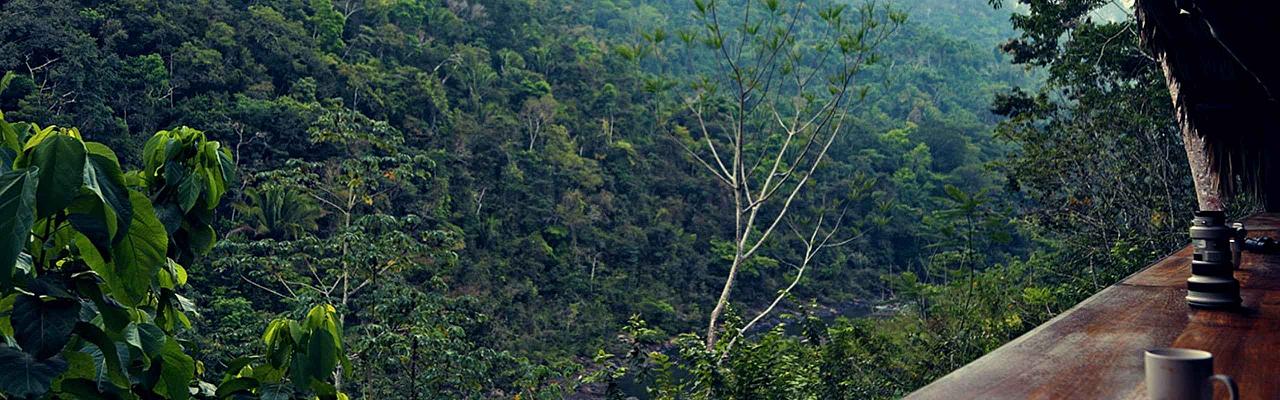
{"x": 1094, "y": 350}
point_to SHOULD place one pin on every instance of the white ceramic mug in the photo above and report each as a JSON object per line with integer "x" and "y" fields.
{"x": 1183, "y": 374}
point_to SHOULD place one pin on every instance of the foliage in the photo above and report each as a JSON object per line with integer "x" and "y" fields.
{"x": 90, "y": 268}
{"x": 278, "y": 213}
{"x": 961, "y": 308}
{"x": 775, "y": 70}
{"x": 488, "y": 191}
{"x": 1099, "y": 151}
{"x": 92, "y": 272}
{"x": 305, "y": 353}
{"x": 600, "y": 218}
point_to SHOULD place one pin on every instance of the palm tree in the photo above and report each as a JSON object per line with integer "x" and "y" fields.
{"x": 278, "y": 213}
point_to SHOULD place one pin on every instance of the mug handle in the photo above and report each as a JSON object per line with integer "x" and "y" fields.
{"x": 1231, "y": 385}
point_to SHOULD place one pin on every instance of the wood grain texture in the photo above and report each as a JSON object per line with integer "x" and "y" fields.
{"x": 1094, "y": 350}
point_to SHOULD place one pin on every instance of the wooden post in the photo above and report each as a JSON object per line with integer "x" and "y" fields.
{"x": 1204, "y": 171}
{"x": 1192, "y": 66}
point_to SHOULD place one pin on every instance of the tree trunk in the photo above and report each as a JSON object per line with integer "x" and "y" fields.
{"x": 1163, "y": 24}
{"x": 1219, "y": 65}
{"x": 1204, "y": 171}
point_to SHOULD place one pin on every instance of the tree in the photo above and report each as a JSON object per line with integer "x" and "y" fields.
{"x": 1098, "y": 149}
{"x": 513, "y": 266}
{"x": 278, "y": 213}
{"x": 786, "y": 100}
{"x": 90, "y": 261}
{"x": 327, "y": 25}
{"x": 92, "y": 268}
{"x": 1220, "y": 84}
{"x": 365, "y": 244}
{"x": 301, "y": 359}
{"x": 475, "y": 72}
{"x": 537, "y": 115}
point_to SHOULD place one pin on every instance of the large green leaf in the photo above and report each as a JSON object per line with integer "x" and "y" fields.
{"x": 100, "y": 149}
{"x": 188, "y": 189}
{"x": 13, "y": 135}
{"x": 281, "y": 336}
{"x": 110, "y": 365}
{"x": 176, "y": 371}
{"x": 24, "y": 376}
{"x": 322, "y": 355}
{"x": 140, "y": 251}
{"x": 324, "y": 390}
{"x": 114, "y": 316}
{"x": 6, "y": 309}
{"x": 80, "y": 365}
{"x": 94, "y": 220}
{"x": 213, "y": 170}
{"x": 147, "y": 338}
{"x": 88, "y": 389}
{"x": 17, "y": 207}
{"x": 61, "y": 159}
{"x": 43, "y": 326}
{"x": 102, "y": 210}
{"x": 6, "y": 158}
{"x": 104, "y": 178}
{"x": 325, "y": 317}
{"x": 37, "y": 136}
{"x": 9, "y": 137}
{"x": 154, "y": 151}
{"x": 228, "y": 174}
{"x": 236, "y": 385}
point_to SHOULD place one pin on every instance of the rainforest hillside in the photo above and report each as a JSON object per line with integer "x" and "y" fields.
{"x": 512, "y": 198}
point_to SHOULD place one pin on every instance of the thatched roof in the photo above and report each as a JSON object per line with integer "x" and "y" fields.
{"x": 1223, "y": 60}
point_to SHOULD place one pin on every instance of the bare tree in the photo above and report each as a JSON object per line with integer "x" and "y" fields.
{"x": 536, "y": 115}
{"x": 782, "y": 92}
{"x": 814, "y": 242}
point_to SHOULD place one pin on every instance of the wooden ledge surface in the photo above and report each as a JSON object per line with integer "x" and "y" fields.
{"x": 1095, "y": 349}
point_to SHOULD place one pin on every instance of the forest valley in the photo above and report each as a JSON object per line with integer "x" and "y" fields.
{"x": 418, "y": 199}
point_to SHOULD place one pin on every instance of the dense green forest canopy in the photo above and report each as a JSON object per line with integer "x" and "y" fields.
{"x": 497, "y": 197}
